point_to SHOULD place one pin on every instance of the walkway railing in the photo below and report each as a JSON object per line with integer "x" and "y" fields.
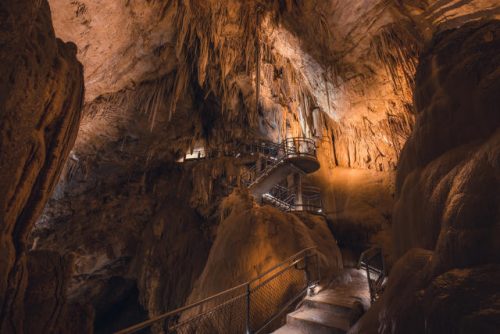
{"x": 272, "y": 155}
{"x": 227, "y": 150}
{"x": 300, "y": 146}
{"x": 372, "y": 261}
{"x": 253, "y": 307}
{"x": 286, "y": 199}
{"x": 290, "y": 148}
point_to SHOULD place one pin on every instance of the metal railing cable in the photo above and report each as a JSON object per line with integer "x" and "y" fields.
{"x": 251, "y": 307}
{"x": 299, "y": 146}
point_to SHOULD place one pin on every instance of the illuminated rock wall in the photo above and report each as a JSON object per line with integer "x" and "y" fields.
{"x": 41, "y": 95}
{"x": 446, "y": 218}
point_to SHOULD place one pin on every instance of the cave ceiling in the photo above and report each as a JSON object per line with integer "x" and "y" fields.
{"x": 354, "y": 61}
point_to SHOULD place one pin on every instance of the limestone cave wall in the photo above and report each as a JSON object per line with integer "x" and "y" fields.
{"x": 41, "y": 95}
{"x": 445, "y": 226}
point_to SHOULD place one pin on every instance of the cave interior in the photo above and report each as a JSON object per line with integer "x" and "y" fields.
{"x": 250, "y": 166}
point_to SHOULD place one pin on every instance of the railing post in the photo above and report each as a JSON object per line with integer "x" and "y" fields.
{"x": 369, "y": 282}
{"x": 247, "y": 325}
{"x": 306, "y": 273}
{"x": 317, "y": 267}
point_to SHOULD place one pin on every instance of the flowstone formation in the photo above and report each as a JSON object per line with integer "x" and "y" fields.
{"x": 446, "y": 216}
{"x": 41, "y": 95}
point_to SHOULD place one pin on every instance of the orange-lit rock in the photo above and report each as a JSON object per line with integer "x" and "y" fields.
{"x": 252, "y": 239}
{"x": 447, "y": 194}
{"x": 41, "y": 95}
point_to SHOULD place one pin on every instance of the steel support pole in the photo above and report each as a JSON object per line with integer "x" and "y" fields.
{"x": 248, "y": 329}
{"x": 317, "y": 267}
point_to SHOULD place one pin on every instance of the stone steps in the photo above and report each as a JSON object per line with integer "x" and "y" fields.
{"x": 312, "y": 320}
{"x": 289, "y": 329}
{"x": 331, "y": 311}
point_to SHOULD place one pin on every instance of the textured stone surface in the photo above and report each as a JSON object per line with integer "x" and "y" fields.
{"x": 448, "y": 171}
{"x": 46, "y": 306}
{"x": 147, "y": 41}
{"x": 119, "y": 43}
{"x": 41, "y": 94}
{"x": 139, "y": 231}
{"x": 259, "y": 238}
{"x": 358, "y": 202}
{"x": 251, "y": 240}
{"x": 447, "y": 194}
{"x": 354, "y": 61}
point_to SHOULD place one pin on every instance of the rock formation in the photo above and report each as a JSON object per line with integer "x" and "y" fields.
{"x": 447, "y": 193}
{"x": 260, "y": 238}
{"x": 41, "y": 89}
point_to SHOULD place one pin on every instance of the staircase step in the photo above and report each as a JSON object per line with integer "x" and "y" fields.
{"x": 331, "y": 300}
{"x": 289, "y": 329}
{"x": 318, "y": 321}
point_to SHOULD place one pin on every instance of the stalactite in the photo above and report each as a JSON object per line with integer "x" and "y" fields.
{"x": 397, "y": 48}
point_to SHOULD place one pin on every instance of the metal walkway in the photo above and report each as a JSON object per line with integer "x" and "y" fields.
{"x": 272, "y": 164}
{"x": 292, "y": 156}
{"x": 286, "y": 299}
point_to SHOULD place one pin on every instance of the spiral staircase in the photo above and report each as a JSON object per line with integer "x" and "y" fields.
{"x": 268, "y": 180}
{"x": 273, "y": 172}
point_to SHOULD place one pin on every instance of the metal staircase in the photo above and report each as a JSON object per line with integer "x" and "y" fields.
{"x": 286, "y": 199}
{"x": 272, "y": 164}
{"x": 280, "y": 197}
{"x": 292, "y": 156}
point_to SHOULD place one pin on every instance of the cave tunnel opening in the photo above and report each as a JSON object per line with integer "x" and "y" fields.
{"x": 119, "y": 307}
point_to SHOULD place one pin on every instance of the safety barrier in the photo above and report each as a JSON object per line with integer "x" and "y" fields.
{"x": 253, "y": 307}
{"x": 372, "y": 261}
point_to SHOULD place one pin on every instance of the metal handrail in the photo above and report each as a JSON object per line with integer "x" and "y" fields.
{"x": 276, "y": 154}
{"x": 288, "y": 149}
{"x": 366, "y": 259}
{"x": 259, "y": 282}
{"x": 311, "y": 200}
{"x": 263, "y": 146}
{"x": 299, "y": 146}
